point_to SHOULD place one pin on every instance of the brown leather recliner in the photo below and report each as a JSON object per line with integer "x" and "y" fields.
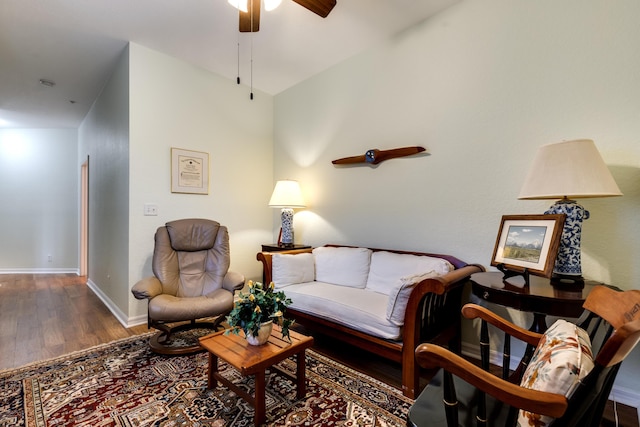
{"x": 191, "y": 281}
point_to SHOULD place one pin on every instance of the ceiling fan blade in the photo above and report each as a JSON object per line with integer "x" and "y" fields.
{"x": 319, "y": 7}
{"x": 245, "y": 17}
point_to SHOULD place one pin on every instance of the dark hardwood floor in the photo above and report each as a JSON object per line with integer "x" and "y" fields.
{"x": 49, "y": 315}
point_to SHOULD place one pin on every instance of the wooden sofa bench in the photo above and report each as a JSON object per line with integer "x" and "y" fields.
{"x": 432, "y": 315}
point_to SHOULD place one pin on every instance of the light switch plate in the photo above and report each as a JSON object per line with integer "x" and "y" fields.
{"x": 150, "y": 209}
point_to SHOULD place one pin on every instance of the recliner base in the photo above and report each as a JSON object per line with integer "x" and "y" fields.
{"x": 160, "y": 342}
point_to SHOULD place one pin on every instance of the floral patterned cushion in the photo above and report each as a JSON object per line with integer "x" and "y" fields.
{"x": 563, "y": 357}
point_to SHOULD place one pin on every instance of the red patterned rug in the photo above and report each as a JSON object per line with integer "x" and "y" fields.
{"x": 124, "y": 384}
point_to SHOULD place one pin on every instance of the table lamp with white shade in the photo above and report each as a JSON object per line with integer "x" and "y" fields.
{"x": 566, "y": 171}
{"x": 287, "y": 195}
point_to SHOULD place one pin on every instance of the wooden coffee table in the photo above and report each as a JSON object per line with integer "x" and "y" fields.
{"x": 254, "y": 360}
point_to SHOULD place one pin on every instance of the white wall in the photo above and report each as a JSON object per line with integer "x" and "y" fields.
{"x": 104, "y": 140}
{"x": 153, "y": 102}
{"x": 38, "y": 200}
{"x": 482, "y": 86}
{"x": 174, "y": 104}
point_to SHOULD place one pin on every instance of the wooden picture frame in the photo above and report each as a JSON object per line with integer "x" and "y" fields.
{"x": 528, "y": 243}
{"x": 189, "y": 171}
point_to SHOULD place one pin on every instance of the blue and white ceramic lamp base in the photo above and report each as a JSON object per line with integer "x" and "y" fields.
{"x": 287, "y": 226}
{"x": 568, "y": 262}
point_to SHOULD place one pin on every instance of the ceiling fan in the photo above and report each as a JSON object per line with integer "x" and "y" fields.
{"x": 250, "y": 11}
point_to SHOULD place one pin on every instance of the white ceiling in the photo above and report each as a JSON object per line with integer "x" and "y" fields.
{"x": 76, "y": 43}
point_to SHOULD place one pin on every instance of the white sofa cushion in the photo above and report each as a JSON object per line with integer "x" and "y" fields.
{"x": 387, "y": 268}
{"x": 342, "y": 266}
{"x": 399, "y": 296}
{"x": 358, "y": 309}
{"x": 289, "y": 269}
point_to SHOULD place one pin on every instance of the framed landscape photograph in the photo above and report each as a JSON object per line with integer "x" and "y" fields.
{"x": 528, "y": 242}
{"x": 189, "y": 171}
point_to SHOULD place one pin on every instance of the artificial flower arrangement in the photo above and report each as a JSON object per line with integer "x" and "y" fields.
{"x": 260, "y": 305}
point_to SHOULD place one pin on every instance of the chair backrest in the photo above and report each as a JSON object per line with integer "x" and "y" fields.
{"x": 612, "y": 319}
{"x": 475, "y": 396}
{"x": 191, "y": 257}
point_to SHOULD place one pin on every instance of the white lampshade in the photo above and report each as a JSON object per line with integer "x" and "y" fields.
{"x": 287, "y": 194}
{"x": 572, "y": 169}
{"x": 569, "y": 170}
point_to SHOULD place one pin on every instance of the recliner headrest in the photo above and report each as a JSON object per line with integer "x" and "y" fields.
{"x": 192, "y": 234}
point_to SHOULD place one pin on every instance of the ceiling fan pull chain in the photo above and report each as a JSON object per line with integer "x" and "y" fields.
{"x": 238, "y": 78}
{"x": 251, "y": 64}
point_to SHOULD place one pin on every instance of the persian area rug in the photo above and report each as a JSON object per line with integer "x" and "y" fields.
{"x": 123, "y": 383}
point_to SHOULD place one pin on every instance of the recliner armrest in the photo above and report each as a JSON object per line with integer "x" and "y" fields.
{"x": 147, "y": 288}
{"x": 233, "y": 281}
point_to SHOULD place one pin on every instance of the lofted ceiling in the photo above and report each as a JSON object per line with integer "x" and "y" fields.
{"x": 76, "y": 43}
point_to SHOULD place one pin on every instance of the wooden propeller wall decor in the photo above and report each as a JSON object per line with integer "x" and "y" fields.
{"x": 375, "y": 156}
{"x": 250, "y": 20}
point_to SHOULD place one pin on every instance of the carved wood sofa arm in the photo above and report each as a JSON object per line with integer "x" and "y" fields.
{"x": 434, "y": 306}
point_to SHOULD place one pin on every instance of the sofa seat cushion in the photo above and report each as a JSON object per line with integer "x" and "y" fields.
{"x": 355, "y": 308}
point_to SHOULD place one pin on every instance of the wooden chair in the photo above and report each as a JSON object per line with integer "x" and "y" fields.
{"x": 464, "y": 394}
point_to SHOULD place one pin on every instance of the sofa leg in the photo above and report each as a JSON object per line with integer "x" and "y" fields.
{"x": 410, "y": 380}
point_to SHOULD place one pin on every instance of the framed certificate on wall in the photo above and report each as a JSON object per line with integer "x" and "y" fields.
{"x": 189, "y": 171}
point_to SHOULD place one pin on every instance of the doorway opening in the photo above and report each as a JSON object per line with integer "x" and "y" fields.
{"x": 84, "y": 218}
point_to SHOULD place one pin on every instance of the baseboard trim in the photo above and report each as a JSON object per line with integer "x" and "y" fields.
{"x": 626, "y": 397}
{"x": 137, "y": 320}
{"x": 39, "y": 271}
{"x": 618, "y": 394}
{"x": 122, "y": 318}
{"x": 126, "y": 321}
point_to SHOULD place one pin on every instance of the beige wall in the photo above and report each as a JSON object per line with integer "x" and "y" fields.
{"x": 482, "y": 86}
{"x": 174, "y": 104}
{"x": 151, "y": 103}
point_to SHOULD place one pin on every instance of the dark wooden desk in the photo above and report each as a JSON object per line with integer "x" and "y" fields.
{"x": 539, "y": 297}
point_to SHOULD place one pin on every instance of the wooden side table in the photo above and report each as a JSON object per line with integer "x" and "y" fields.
{"x": 254, "y": 360}
{"x": 540, "y": 297}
